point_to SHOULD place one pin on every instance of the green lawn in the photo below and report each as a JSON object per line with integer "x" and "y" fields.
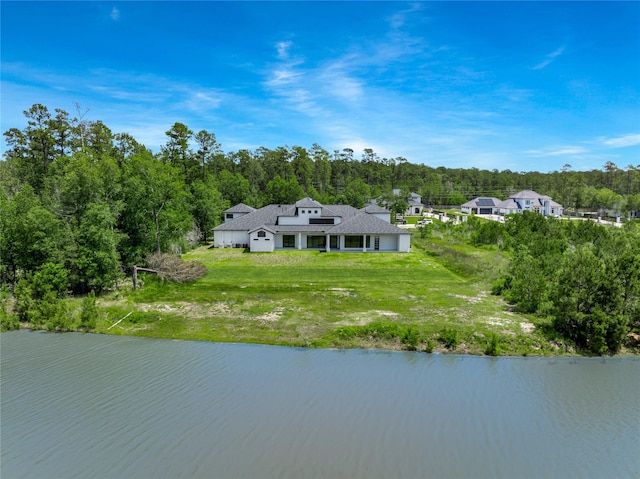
{"x": 303, "y": 298}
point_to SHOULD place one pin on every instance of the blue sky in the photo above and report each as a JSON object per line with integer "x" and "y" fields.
{"x": 505, "y": 85}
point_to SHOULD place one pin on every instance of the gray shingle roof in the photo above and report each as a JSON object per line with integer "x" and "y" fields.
{"x": 240, "y": 208}
{"x": 263, "y": 216}
{"x": 483, "y": 201}
{"x": 353, "y": 221}
{"x": 375, "y": 209}
{"x": 307, "y": 203}
{"x": 364, "y": 223}
{"x": 510, "y": 204}
{"x": 528, "y": 194}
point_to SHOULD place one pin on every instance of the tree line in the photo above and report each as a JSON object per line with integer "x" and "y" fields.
{"x": 81, "y": 205}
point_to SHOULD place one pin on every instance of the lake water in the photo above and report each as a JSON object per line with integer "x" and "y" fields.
{"x": 91, "y": 406}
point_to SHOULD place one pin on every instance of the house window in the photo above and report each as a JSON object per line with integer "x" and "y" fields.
{"x": 288, "y": 241}
{"x": 262, "y": 234}
{"x": 355, "y": 241}
{"x": 321, "y": 221}
{"x": 315, "y": 212}
{"x": 316, "y": 241}
{"x": 417, "y": 210}
{"x": 229, "y": 216}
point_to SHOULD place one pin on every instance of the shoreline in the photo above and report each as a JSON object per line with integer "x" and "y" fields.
{"x": 624, "y": 353}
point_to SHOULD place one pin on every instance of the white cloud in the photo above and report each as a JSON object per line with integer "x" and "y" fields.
{"x": 622, "y": 141}
{"x": 398, "y": 19}
{"x": 283, "y": 76}
{"x": 283, "y": 49}
{"x": 115, "y": 14}
{"x": 335, "y": 80}
{"x": 558, "y": 151}
{"x": 549, "y": 59}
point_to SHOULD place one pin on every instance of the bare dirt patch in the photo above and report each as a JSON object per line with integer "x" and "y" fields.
{"x": 471, "y": 299}
{"x": 360, "y": 319}
{"x": 527, "y": 327}
{"x": 186, "y": 309}
{"x": 274, "y": 315}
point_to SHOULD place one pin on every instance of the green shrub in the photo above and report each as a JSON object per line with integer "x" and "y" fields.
{"x": 52, "y": 313}
{"x": 411, "y": 338}
{"x": 8, "y": 320}
{"x": 493, "y": 346}
{"x": 501, "y": 285}
{"x": 88, "y": 312}
{"x": 428, "y": 346}
{"x": 346, "y": 332}
{"x": 449, "y": 337}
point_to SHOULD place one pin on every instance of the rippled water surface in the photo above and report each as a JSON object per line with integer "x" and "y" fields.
{"x": 89, "y": 406}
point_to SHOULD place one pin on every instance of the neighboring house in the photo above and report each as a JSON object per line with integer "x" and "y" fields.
{"x": 415, "y": 203}
{"x": 529, "y": 200}
{"x": 526, "y": 200}
{"x": 481, "y": 206}
{"x": 311, "y": 225}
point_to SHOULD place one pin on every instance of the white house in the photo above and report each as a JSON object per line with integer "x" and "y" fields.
{"x": 415, "y": 203}
{"x": 526, "y": 200}
{"x": 311, "y": 225}
{"x": 481, "y": 206}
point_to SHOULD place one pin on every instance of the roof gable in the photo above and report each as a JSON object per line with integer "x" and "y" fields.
{"x": 308, "y": 203}
{"x": 375, "y": 209}
{"x": 240, "y": 208}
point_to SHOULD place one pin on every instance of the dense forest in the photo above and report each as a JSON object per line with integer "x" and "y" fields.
{"x": 80, "y": 205}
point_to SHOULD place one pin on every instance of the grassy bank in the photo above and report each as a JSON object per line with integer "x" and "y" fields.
{"x": 433, "y": 299}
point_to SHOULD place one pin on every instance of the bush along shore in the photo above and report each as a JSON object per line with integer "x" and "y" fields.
{"x": 461, "y": 290}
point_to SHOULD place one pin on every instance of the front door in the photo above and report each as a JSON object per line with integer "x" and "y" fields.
{"x": 334, "y": 242}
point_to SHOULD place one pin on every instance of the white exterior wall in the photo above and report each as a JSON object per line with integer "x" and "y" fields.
{"x": 404, "y": 243}
{"x": 293, "y": 220}
{"x": 387, "y": 242}
{"x": 302, "y": 219}
{"x": 261, "y": 245}
{"x": 228, "y": 239}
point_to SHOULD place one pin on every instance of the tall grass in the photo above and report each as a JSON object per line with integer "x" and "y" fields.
{"x": 305, "y": 298}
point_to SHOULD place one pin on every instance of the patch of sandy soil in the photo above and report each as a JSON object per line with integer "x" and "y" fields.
{"x": 186, "y": 309}
{"x": 274, "y": 315}
{"x": 342, "y": 291}
{"x": 495, "y": 321}
{"x": 360, "y": 319}
{"x": 527, "y": 327}
{"x": 471, "y": 299}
